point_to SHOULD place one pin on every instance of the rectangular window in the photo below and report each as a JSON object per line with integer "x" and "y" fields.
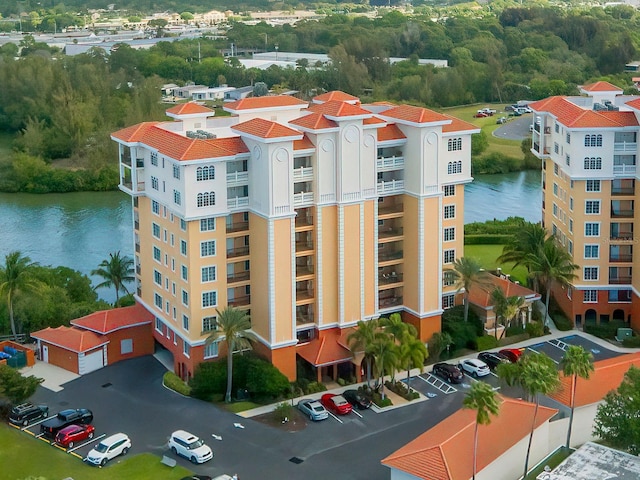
{"x": 211, "y": 350}
{"x": 556, "y": 148}
{"x": 555, "y": 210}
{"x": 570, "y": 247}
{"x": 555, "y": 189}
{"x": 126, "y": 346}
{"x": 154, "y": 159}
{"x": 154, "y": 183}
{"x": 173, "y": 288}
{"x": 155, "y": 207}
{"x": 449, "y": 190}
{"x": 449, "y": 211}
{"x": 570, "y": 225}
{"x": 571, "y": 203}
{"x": 209, "y": 299}
{"x": 449, "y": 234}
{"x": 448, "y": 278}
{"x": 454, "y": 144}
{"x": 207, "y": 224}
{"x": 186, "y": 349}
{"x": 591, "y": 229}
{"x": 209, "y": 324}
{"x": 208, "y": 274}
{"x": 176, "y": 171}
{"x": 590, "y": 273}
{"x": 159, "y": 326}
{"x": 155, "y": 230}
{"x": 568, "y": 160}
{"x": 157, "y": 277}
{"x": 184, "y": 272}
{"x": 156, "y": 254}
{"x": 185, "y": 298}
{"x": 592, "y": 251}
{"x": 449, "y": 255}
{"x": 177, "y": 198}
{"x": 448, "y": 301}
{"x": 183, "y": 225}
{"x": 592, "y": 207}
{"x": 173, "y": 240}
{"x": 568, "y": 138}
{"x": 157, "y": 300}
{"x": 593, "y": 185}
{"x": 183, "y": 247}
{"x": 208, "y": 248}
{"x": 555, "y": 168}
{"x": 593, "y": 163}
{"x": 557, "y": 127}
{"x": 590, "y": 296}
{"x": 454, "y": 167}
{"x": 185, "y": 322}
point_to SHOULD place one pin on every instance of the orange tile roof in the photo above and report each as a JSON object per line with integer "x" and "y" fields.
{"x": 314, "y": 121}
{"x": 303, "y": 144}
{"x": 571, "y": 115}
{"x": 106, "y": 321}
{"x": 328, "y": 349}
{"x": 264, "y": 102}
{"x": 634, "y": 103}
{"x": 262, "y": 128}
{"x": 72, "y": 339}
{"x": 336, "y": 95}
{"x": 414, "y": 114}
{"x": 134, "y": 133}
{"x": 480, "y": 295}
{"x": 339, "y": 109}
{"x": 445, "y": 451}
{"x": 390, "y": 132}
{"x": 600, "y": 87}
{"x": 458, "y": 125}
{"x": 179, "y": 147}
{"x": 607, "y": 375}
{"x": 189, "y": 108}
{"x": 373, "y": 121}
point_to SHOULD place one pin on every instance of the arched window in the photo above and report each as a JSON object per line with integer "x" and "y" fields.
{"x": 205, "y": 173}
{"x": 206, "y": 199}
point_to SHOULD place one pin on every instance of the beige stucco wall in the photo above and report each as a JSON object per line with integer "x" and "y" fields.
{"x": 283, "y": 279}
{"x": 328, "y": 235}
{"x": 259, "y": 276}
{"x": 351, "y": 294}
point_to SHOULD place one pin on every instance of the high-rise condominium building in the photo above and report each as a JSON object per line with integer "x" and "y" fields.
{"x": 311, "y": 217}
{"x": 588, "y": 146}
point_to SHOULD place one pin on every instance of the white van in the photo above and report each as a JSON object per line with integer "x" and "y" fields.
{"x": 189, "y": 446}
{"x": 110, "y": 447}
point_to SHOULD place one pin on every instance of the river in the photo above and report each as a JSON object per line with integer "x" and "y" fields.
{"x": 79, "y": 230}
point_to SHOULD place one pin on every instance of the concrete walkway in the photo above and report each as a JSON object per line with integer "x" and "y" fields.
{"x": 54, "y": 377}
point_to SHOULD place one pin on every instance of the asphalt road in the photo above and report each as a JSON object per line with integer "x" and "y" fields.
{"x": 516, "y": 128}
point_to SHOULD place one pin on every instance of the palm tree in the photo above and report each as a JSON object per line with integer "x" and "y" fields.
{"x": 396, "y": 327}
{"x": 385, "y": 356}
{"x": 506, "y": 308}
{"x": 553, "y": 264}
{"x": 536, "y": 374}
{"x": 361, "y": 340}
{"x": 527, "y": 241}
{"x": 233, "y": 327}
{"x": 466, "y": 273}
{"x": 15, "y": 277}
{"x": 116, "y": 272}
{"x": 483, "y": 399}
{"x": 577, "y": 362}
{"x": 411, "y": 354}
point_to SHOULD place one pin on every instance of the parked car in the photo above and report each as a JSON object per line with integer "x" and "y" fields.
{"x": 189, "y": 446}
{"x": 493, "y": 359}
{"x": 336, "y": 404}
{"x": 510, "y": 108}
{"x": 475, "y": 367}
{"x": 357, "y": 399}
{"x": 501, "y": 120}
{"x": 71, "y": 435}
{"x": 481, "y": 115}
{"x": 488, "y": 111}
{"x": 25, "y": 413}
{"x": 313, "y": 409}
{"x": 513, "y": 354}
{"x": 108, "y": 449}
{"x": 65, "y": 418}
{"x": 515, "y": 112}
{"x": 448, "y": 372}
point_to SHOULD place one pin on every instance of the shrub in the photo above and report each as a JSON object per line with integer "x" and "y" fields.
{"x": 631, "y": 342}
{"x": 265, "y": 380}
{"x": 175, "y": 383}
{"x": 401, "y": 389}
{"x": 486, "y": 342}
{"x": 514, "y": 330}
{"x": 561, "y": 322}
{"x": 463, "y": 334}
{"x": 486, "y": 239}
{"x": 604, "y": 330}
{"x": 209, "y": 378}
{"x": 534, "y": 329}
{"x": 536, "y": 314}
{"x": 283, "y": 411}
{"x": 316, "y": 387}
{"x": 377, "y": 399}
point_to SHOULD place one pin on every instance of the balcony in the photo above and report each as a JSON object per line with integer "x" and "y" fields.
{"x": 621, "y": 258}
{"x": 625, "y": 170}
{"x": 304, "y": 318}
{"x": 390, "y": 187}
{"x": 390, "y": 302}
{"x": 304, "y": 221}
{"x": 304, "y": 246}
{"x": 304, "y": 296}
{"x": 304, "y": 271}
{"x": 137, "y": 248}
{"x": 237, "y": 227}
{"x": 621, "y": 213}
{"x": 129, "y": 186}
{"x": 125, "y": 158}
{"x": 239, "y": 277}
{"x": 390, "y": 256}
{"x": 620, "y": 280}
{"x": 625, "y": 146}
{"x": 386, "y": 164}
{"x": 303, "y": 199}
{"x": 238, "y": 252}
{"x": 389, "y": 278}
{"x": 237, "y": 202}
{"x": 390, "y": 210}
{"x": 389, "y": 234}
{"x": 303, "y": 174}
{"x": 622, "y": 190}
{"x": 136, "y": 225}
{"x": 138, "y": 270}
{"x": 236, "y": 179}
{"x": 240, "y": 301}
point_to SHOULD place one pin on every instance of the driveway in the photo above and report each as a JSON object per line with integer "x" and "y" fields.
{"x": 516, "y": 128}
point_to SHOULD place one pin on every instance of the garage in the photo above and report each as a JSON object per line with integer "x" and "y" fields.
{"x": 90, "y": 362}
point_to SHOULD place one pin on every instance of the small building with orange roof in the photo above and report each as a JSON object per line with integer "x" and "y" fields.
{"x": 445, "y": 452}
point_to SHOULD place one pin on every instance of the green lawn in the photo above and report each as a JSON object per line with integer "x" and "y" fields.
{"x": 22, "y": 455}
{"x": 486, "y": 255}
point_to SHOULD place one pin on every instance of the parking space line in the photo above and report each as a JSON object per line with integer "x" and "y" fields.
{"x": 37, "y": 423}
{"x": 335, "y": 417}
{"x": 448, "y": 390}
{"x": 357, "y": 413}
{"x": 94, "y": 439}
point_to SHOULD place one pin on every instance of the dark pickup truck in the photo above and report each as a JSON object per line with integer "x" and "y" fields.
{"x": 63, "y": 419}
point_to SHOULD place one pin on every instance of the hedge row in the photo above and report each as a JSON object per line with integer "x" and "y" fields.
{"x": 486, "y": 239}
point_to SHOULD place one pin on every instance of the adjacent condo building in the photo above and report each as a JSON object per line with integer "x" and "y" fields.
{"x": 589, "y": 149}
{"x": 311, "y": 217}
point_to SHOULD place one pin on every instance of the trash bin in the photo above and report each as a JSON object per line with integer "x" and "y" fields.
{"x": 21, "y": 358}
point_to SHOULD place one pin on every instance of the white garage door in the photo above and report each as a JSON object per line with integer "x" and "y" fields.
{"x": 91, "y": 362}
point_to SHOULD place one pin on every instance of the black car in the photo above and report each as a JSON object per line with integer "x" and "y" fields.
{"x": 25, "y": 413}
{"x": 493, "y": 359}
{"x": 450, "y": 373}
{"x": 357, "y": 399}
{"x": 65, "y": 418}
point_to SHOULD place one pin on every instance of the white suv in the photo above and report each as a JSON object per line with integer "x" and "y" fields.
{"x": 110, "y": 447}
{"x": 189, "y": 446}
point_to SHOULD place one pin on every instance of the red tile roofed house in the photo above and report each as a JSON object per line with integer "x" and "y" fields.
{"x": 279, "y": 108}
{"x": 336, "y": 95}
{"x": 330, "y": 348}
{"x": 445, "y": 452}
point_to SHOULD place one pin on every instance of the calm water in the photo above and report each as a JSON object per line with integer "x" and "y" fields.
{"x": 77, "y": 230}
{"x": 505, "y": 195}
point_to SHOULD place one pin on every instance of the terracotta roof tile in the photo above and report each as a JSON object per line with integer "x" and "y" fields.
{"x": 634, "y": 103}
{"x": 625, "y": 119}
{"x": 303, "y": 144}
{"x": 481, "y": 294}
{"x": 179, "y": 147}
{"x": 339, "y": 109}
{"x": 373, "y": 121}
{"x": 189, "y": 108}
{"x": 327, "y": 349}
{"x": 134, "y": 133}
{"x": 414, "y": 114}
{"x": 262, "y": 128}
{"x": 458, "y": 125}
{"x": 335, "y": 95}
{"x": 443, "y": 452}
{"x": 106, "y": 321}
{"x": 571, "y": 115}
{"x": 600, "y": 87}
{"x": 607, "y": 375}
{"x": 72, "y": 339}
{"x": 314, "y": 121}
{"x": 252, "y": 103}
{"x": 390, "y": 132}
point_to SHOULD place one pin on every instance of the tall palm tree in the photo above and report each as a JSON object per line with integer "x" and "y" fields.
{"x": 537, "y": 375}
{"x": 116, "y": 271}
{"x": 553, "y": 264}
{"x": 466, "y": 273}
{"x": 233, "y": 328}
{"x": 385, "y": 356}
{"x": 484, "y": 400}
{"x": 411, "y": 354}
{"x": 507, "y": 308}
{"x": 527, "y": 241}
{"x": 396, "y": 327}
{"x": 16, "y": 277}
{"x": 361, "y": 340}
{"x": 577, "y": 362}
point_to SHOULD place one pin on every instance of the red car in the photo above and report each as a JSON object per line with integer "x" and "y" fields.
{"x": 513, "y": 354}
{"x": 71, "y": 435}
{"x": 336, "y": 404}
{"x": 481, "y": 115}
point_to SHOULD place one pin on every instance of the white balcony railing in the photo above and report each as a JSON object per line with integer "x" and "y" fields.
{"x": 390, "y": 163}
{"x": 237, "y": 178}
{"x": 302, "y": 174}
{"x": 624, "y": 169}
{"x": 237, "y": 202}
{"x": 302, "y": 199}
{"x": 392, "y": 186}
{"x": 625, "y": 146}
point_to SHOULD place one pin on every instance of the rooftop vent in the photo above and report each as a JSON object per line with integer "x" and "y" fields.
{"x": 200, "y": 135}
